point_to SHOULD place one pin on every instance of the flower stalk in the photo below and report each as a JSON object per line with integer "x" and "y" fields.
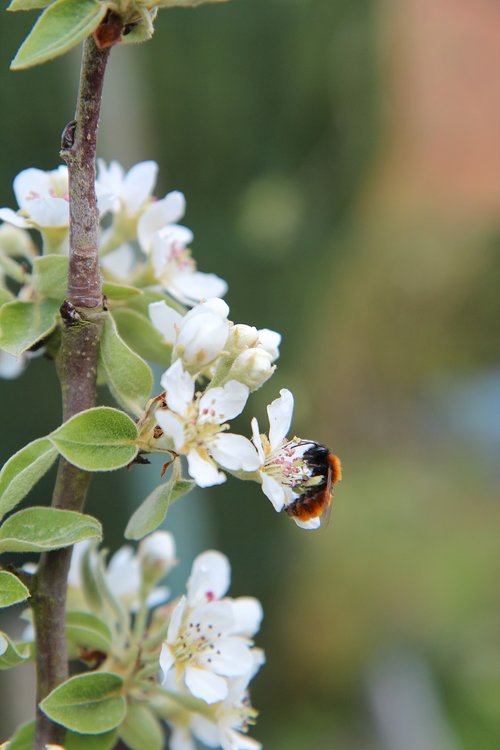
{"x": 81, "y": 325}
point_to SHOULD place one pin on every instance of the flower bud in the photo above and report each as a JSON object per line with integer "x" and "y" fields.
{"x": 241, "y": 337}
{"x": 252, "y": 368}
{"x": 202, "y": 335}
{"x": 15, "y": 242}
{"x": 270, "y": 341}
{"x": 157, "y": 555}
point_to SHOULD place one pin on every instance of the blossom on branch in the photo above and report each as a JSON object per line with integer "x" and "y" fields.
{"x": 209, "y": 636}
{"x": 195, "y": 426}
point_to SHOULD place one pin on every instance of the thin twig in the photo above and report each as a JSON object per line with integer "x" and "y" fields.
{"x": 82, "y": 318}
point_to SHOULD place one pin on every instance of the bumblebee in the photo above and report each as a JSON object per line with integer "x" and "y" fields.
{"x": 316, "y": 499}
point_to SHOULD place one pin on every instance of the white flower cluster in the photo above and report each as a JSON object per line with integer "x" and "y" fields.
{"x": 203, "y": 645}
{"x": 193, "y": 421}
{"x": 214, "y": 363}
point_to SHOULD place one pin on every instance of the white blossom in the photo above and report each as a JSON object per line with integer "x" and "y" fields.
{"x": 162, "y": 217}
{"x": 283, "y": 472}
{"x": 128, "y": 191}
{"x": 43, "y": 200}
{"x": 197, "y": 337}
{"x": 123, "y": 575}
{"x": 175, "y": 268}
{"x": 208, "y": 639}
{"x": 156, "y": 552}
{"x": 195, "y": 426}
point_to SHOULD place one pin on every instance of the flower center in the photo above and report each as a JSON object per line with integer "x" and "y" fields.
{"x": 195, "y": 638}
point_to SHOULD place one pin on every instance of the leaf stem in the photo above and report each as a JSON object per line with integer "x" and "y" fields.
{"x": 82, "y": 320}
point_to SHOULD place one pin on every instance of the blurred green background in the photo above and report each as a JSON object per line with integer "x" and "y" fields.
{"x": 341, "y": 163}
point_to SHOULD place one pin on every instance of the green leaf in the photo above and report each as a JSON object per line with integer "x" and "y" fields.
{"x": 38, "y": 529}
{"x": 87, "y": 630}
{"x": 12, "y": 590}
{"x": 141, "y": 335}
{"x": 23, "y": 324}
{"x": 5, "y": 296}
{"x": 141, "y": 729}
{"x": 104, "y": 741}
{"x": 129, "y": 378}
{"x": 51, "y": 276}
{"x": 23, "y": 737}
{"x": 100, "y": 439}
{"x": 12, "y": 654}
{"x": 23, "y": 470}
{"x": 28, "y": 4}
{"x": 119, "y": 292}
{"x": 61, "y": 26}
{"x": 13, "y": 269}
{"x": 88, "y": 703}
{"x": 150, "y": 514}
{"x": 185, "y": 3}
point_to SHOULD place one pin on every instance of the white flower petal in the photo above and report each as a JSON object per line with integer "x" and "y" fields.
{"x": 176, "y": 235}
{"x": 201, "y": 338}
{"x": 222, "y": 403}
{"x": 205, "y": 685}
{"x": 166, "y": 320}
{"x": 191, "y": 287}
{"x": 179, "y": 386}
{"x": 206, "y": 731}
{"x": 159, "y": 595}
{"x": 232, "y": 740}
{"x": 123, "y": 574}
{"x": 214, "y": 615}
{"x": 234, "y": 452}
{"x": 158, "y": 547}
{"x": 120, "y": 262}
{"x": 270, "y": 341}
{"x": 49, "y": 212}
{"x": 257, "y": 440}
{"x": 248, "y": 614}
{"x": 181, "y": 739}
{"x": 11, "y": 217}
{"x": 230, "y": 657}
{"x": 172, "y": 426}
{"x": 138, "y": 185}
{"x": 10, "y": 366}
{"x": 203, "y": 471}
{"x": 274, "y": 491}
{"x": 167, "y": 660}
{"x": 314, "y": 523}
{"x": 280, "y": 413}
{"x": 174, "y": 625}
{"x": 158, "y": 215}
{"x": 210, "y": 577}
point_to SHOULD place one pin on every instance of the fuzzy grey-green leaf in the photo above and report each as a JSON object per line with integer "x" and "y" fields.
{"x": 119, "y": 292}
{"x": 141, "y": 729}
{"x": 12, "y": 654}
{"x": 39, "y": 529}
{"x": 60, "y": 27}
{"x": 23, "y": 737}
{"x": 28, "y": 4}
{"x": 23, "y": 470}
{"x": 104, "y": 741}
{"x": 12, "y": 590}
{"x": 51, "y": 276}
{"x": 140, "y": 334}
{"x": 25, "y": 323}
{"x": 88, "y": 704}
{"x": 150, "y": 514}
{"x": 99, "y": 439}
{"x": 129, "y": 378}
{"x": 88, "y": 630}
